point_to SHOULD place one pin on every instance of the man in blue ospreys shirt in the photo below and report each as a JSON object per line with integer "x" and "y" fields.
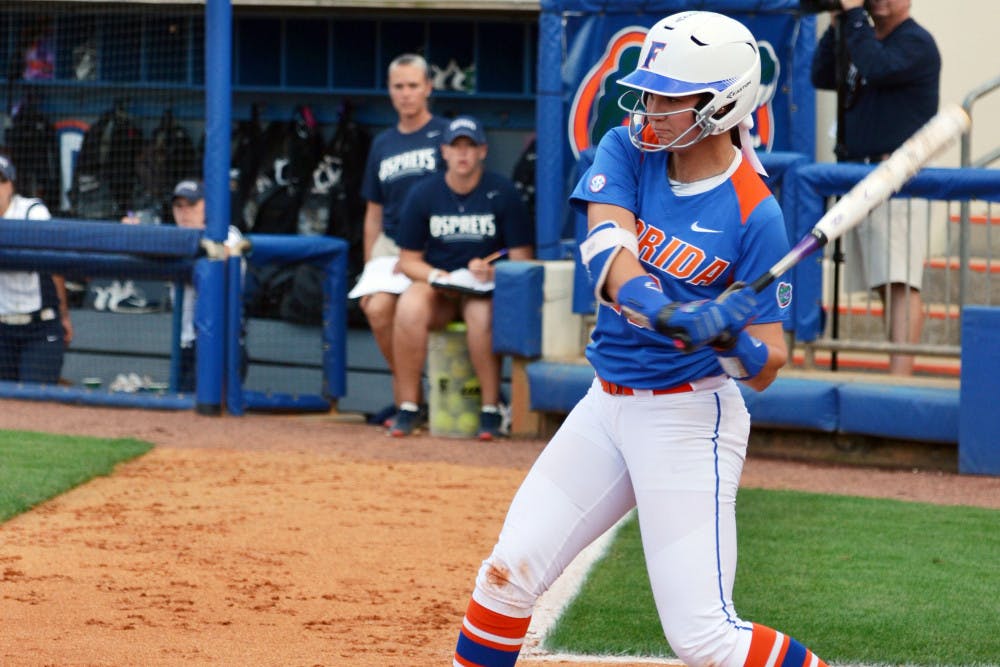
{"x": 892, "y": 89}
{"x": 455, "y": 220}
{"x": 399, "y": 157}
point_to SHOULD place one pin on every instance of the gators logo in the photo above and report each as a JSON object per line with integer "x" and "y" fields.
{"x": 594, "y": 109}
{"x": 784, "y": 294}
{"x": 770, "y": 70}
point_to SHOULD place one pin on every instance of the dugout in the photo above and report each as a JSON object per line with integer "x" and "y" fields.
{"x": 501, "y": 60}
{"x": 74, "y": 61}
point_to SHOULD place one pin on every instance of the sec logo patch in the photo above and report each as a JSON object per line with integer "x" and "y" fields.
{"x": 597, "y": 182}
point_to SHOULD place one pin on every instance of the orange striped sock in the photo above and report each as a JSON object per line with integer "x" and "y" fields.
{"x": 769, "y": 647}
{"x": 489, "y": 639}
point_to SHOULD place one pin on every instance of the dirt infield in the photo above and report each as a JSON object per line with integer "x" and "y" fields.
{"x": 276, "y": 540}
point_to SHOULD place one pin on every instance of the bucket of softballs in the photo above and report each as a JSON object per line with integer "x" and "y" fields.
{"x": 454, "y": 389}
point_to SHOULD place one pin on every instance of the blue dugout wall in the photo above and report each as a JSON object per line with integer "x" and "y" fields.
{"x": 87, "y": 249}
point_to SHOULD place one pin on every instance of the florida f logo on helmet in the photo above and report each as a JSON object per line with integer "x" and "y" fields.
{"x": 726, "y": 46}
{"x": 707, "y": 55}
{"x": 654, "y": 50}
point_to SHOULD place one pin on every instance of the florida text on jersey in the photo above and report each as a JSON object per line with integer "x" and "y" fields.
{"x": 694, "y": 239}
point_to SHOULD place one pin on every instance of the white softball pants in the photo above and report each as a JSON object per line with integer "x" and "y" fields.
{"x": 678, "y": 459}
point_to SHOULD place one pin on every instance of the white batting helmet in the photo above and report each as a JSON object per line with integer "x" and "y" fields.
{"x": 694, "y": 53}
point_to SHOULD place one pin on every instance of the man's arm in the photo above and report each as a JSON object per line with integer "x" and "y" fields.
{"x": 373, "y": 227}
{"x": 898, "y": 59}
{"x": 824, "y": 63}
{"x": 521, "y": 253}
{"x": 60, "y": 284}
{"x": 411, "y": 262}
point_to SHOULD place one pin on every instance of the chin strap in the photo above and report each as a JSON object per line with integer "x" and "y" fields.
{"x": 746, "y": 145}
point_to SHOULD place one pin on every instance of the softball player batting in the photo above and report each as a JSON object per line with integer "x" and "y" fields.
{"x": 679, "y": 219}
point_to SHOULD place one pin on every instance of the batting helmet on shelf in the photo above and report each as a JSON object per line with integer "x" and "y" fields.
{"x": 694, "y": 53}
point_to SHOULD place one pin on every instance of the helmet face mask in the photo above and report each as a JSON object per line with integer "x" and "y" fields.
{"x": 641, "y": 131}
{"x": 693, "y": 53}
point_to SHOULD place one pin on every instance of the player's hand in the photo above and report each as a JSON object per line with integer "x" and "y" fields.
{"x": 698, "y": 323}
{"x": 739, "y": 303}
{"x": 641, "y": 299}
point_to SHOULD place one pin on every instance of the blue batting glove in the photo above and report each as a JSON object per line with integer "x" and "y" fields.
{"x": 745, "y": 357}
{"x": 739, "y": 305}
{"x": 698, "y": 323}
{"x": 641, "y": 299}
{"x": 689, "y": 324}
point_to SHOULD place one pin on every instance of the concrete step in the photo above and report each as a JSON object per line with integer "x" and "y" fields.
{"x": 942, "y": 280}
{"x": 928, "y": 370}
{"x": 984, "y": 235}
{"x": 862, "y": 318}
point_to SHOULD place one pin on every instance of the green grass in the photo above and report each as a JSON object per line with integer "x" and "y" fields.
{"x": 858, "y": 580}
{"x": 37, "y": 466}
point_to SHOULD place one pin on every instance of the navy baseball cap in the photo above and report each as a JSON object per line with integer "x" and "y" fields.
{"x": 465, "y": 126}
{"x": 7, "y": 170}
{"x": 190, "y": 190}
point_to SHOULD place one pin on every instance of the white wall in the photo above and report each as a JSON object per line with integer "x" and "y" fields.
{"x": 966, "y": 35}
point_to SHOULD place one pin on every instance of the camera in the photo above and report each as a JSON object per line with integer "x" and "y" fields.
{"x": 817, "y": 6}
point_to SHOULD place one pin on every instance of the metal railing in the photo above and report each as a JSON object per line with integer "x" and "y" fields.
{"x": 967, "y": 280}
{"x": 966, "y": 161}
{"x": 951, "y": 280}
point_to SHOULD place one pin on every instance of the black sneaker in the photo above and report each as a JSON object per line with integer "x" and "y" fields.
{"x": 490, "y": 426}
{"x": 384, "y": 416}
{"x": 405, "y": 423}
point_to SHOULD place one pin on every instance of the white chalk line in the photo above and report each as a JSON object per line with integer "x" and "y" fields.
{"x": 554, "y": 601}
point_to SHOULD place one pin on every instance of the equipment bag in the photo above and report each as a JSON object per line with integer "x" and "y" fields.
{"x": 104, "y": 180}
{"x": 31, "y": 142}
{"x": 168, "y": 157}
{"x": 291, "y": 153}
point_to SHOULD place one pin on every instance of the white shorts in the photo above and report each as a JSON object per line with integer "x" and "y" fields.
{"x": 889, "y": 246}
{"x": 385, "y": 247}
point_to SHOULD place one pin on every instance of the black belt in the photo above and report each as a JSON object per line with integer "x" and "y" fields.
{"x": 21, "y": 319}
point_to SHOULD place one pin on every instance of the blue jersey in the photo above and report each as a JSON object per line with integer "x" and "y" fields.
{"x": 452, "y": 229}
{"x": 395, "y": 162}
{"x": 694, "y": 243}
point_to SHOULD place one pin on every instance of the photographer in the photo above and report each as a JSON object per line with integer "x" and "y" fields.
{"x": 888, "y": 90}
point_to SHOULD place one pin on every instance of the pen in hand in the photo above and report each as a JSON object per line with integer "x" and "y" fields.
{"x": 494, "y": 256}
{"x": 480, "y": 267}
